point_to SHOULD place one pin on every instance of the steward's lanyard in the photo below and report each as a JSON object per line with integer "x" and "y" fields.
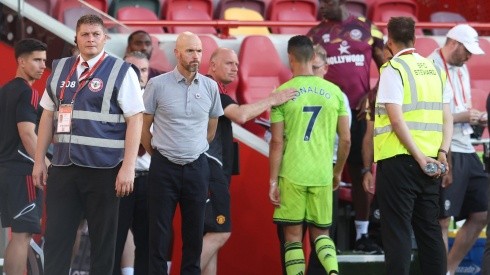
{"x": 83, "y": 82}
{"x": 451, "y": 82}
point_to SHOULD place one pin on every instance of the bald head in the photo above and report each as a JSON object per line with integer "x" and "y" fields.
{"x": 188, "y": 52}
{"x": 186, "y": 38}
{"x": 223, "y": 65}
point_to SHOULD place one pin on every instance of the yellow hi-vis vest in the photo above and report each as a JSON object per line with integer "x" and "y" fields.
{"x": 423, "y": 85}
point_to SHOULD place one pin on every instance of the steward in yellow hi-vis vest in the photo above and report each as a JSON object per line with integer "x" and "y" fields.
{"x": 423, "y": 84}
{"x": 412, "y": 135}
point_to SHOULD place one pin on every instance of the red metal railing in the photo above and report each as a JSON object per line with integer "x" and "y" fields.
{"x": 224, "y": 26}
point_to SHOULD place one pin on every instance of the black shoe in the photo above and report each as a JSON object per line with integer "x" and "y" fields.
{"x": 367, "y": 246}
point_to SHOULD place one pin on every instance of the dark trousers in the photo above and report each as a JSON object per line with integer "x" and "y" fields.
{"x": 408, "y": 198}
{"x": 74, "y": 192}
{"x": 169, "y": 184}
{"x": 133, "y": 213}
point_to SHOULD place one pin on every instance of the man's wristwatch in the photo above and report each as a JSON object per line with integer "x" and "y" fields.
{"x": 365, "y": 170}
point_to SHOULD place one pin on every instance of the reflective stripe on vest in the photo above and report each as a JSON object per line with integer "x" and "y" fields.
{"x": 90, "y": 141}
{"x": 103, "y": 115}
{"x": 412, "y": 126}
{"x": 106, "y": 103}
{"x": 98, "y": 124}
{"x": 415, "y": 104}
{"x": 421, "y": 109}
{"x": 55, "y": 80}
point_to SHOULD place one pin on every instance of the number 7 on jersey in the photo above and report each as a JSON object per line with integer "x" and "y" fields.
{"x": 314, "y": 110}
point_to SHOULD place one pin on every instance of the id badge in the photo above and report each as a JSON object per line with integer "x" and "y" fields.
{"x": 64, "y": 118}
{"x": 467, "y": 130}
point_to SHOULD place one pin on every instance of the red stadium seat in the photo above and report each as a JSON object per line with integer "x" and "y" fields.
{"x": 479, "y": 66}
{"x": 158, "y": 58}
{"x": 425, "y": 45}
{"x": 71, "y": 15}
{"x": 383, "y": 10}
{"x": 293, "y": 10}
{"x": 208, "y": 47}
{"x": 256, "y": 5}
{"x": 139, "y": 13}
{"x": 259, "y": 76}
{"x": 402, "y": 6}
{"x": 479, "y": 98}
{"x": 369, "y": 4}
{"x": 188, "y": 10}
{"x": 63, "y": 5}
{"x": 445, "y": 16}
{"x": 357, "y": 7}
{"x": 153, "y": 5}
{"x": 205, "y": 6}
{"x": 98, "y": 4}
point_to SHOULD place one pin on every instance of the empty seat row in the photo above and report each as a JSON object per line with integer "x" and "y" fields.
{"x": 67, "y": 12}
{"x": 56, "y": 8}
{"x": 202, "y": 10}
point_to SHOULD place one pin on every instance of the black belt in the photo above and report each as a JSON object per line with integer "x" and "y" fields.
{"x": 138, "y": 174}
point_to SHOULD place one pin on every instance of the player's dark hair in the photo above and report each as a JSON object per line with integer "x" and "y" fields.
{"x": 301, "y": 47}
{"x": 27, "y": 46}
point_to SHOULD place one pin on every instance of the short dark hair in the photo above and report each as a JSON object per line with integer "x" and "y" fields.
{"x": 90, "y": 19}
{"x": 130, "y": 37}
{"x": 301, "y": 47}
{"x": 402, "y": 30}
{"x": 28, "y": 45}
{"x": 136, "y": 54}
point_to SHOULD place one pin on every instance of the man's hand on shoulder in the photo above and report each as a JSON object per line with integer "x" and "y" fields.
{"x": 279, "y": 97}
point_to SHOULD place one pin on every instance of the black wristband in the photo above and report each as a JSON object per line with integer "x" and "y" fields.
{"x": 365, "y": 170}
{"x": 442, "y": 151}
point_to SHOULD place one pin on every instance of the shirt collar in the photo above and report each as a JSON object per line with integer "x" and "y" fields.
{"x": 221, "y": 86}
{"x": 403, "y": 52}
{"x": 91, "y": 62}
{"x": 179, "y": 77}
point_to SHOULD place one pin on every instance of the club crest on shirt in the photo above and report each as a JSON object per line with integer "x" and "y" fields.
{"x": 220, "y": 219}
{"x": 96, "y": 85}
{"x": 326, "y": 38}
{"x": 447, "y": 205}
{"x": 355, "y": 34}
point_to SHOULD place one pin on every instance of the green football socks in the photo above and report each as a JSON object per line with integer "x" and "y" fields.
{"x": 294, "y": 258}
{"x": 325, "y": 249}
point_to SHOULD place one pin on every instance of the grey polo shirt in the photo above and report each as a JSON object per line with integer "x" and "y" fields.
{"x": 181, "y": 114}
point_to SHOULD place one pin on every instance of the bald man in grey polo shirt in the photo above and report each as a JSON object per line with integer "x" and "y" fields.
{"x": 184, "y": 107}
